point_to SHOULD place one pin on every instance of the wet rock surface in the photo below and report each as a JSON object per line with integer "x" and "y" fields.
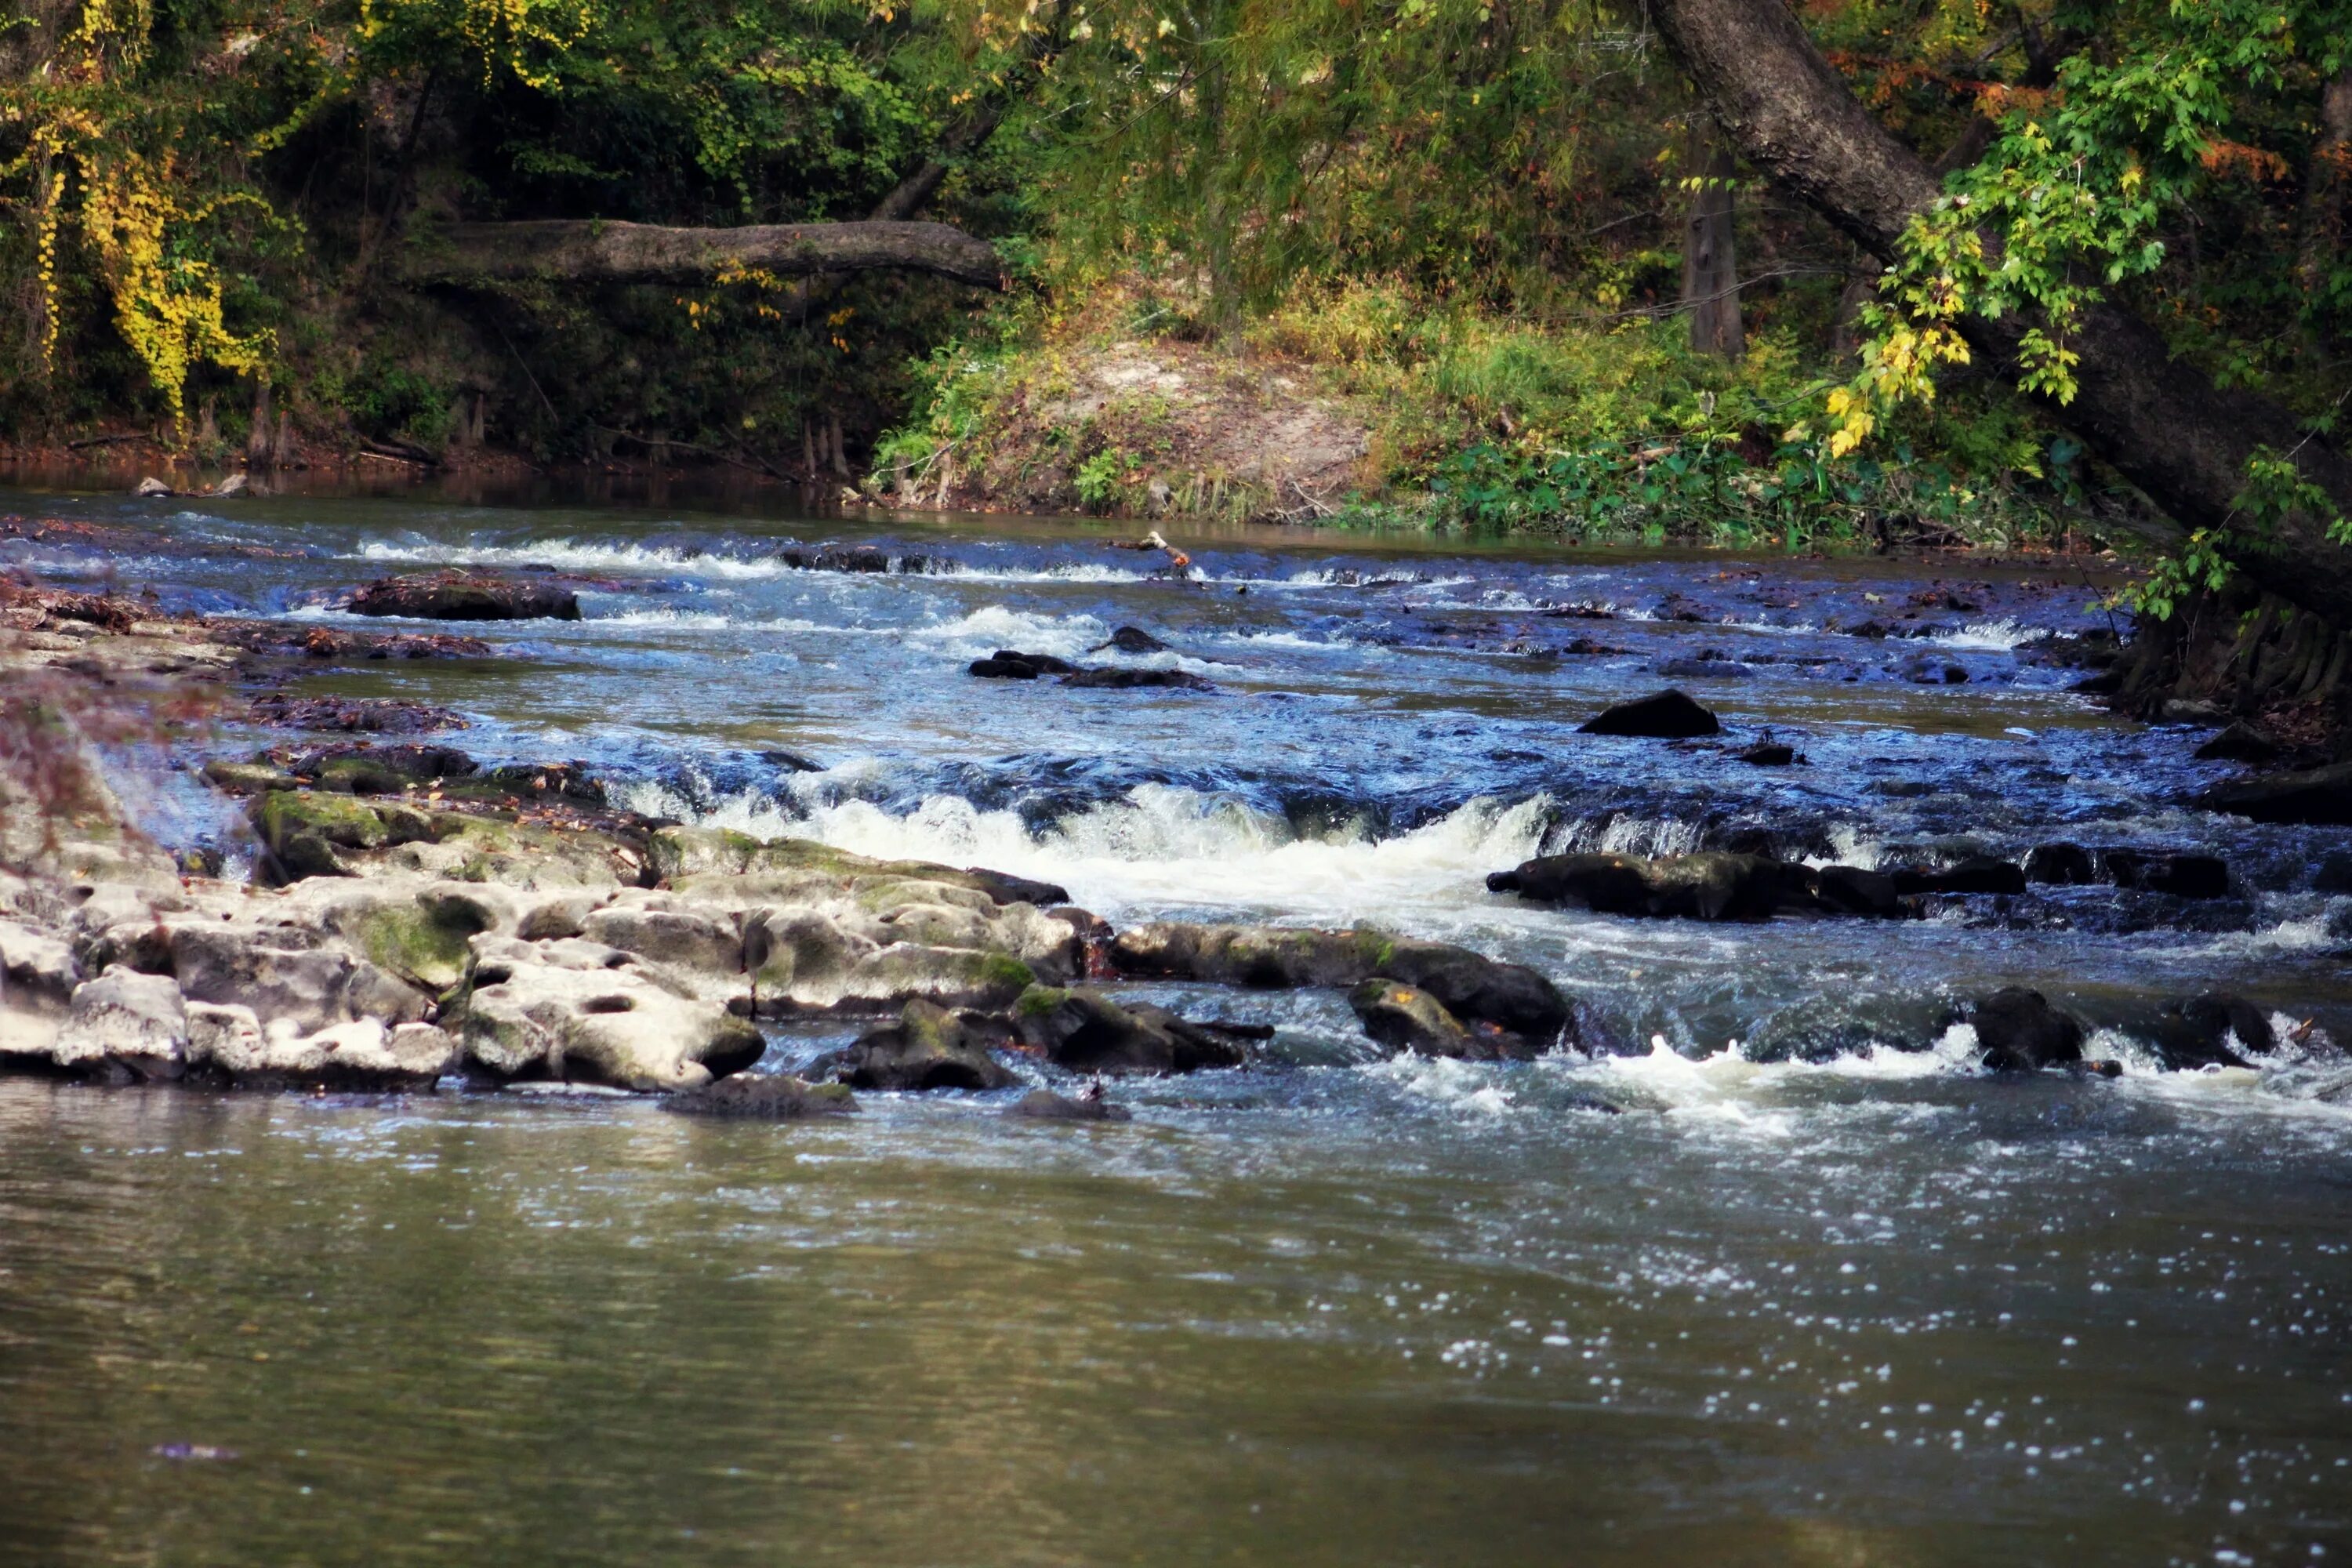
{"x": 1669, "y": 715}
{"x": 465, "y": 596}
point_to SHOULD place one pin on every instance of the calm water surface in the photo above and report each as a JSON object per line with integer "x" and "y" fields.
{"x": 1819, "y": 1294}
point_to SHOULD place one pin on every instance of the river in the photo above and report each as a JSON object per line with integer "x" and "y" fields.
{"x": 1820, "y": 1293}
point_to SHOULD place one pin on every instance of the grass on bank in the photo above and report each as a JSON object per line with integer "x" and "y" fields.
{"x": 1591, "y": 429}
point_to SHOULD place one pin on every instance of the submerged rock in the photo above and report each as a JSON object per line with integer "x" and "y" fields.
{"x": 1668, "y": 715}
{"x": 1704, "y": 669}
{"x": 1771, "y": 754}
{"x": 1974, "y": 874}
{"x": 1044, "y": 1105}
{"x": 1121, "y": 679}
{"x": 929, "y": 1047}
{"x": 764, "y": 1097}
{"x": 1131, "y": 639}
{"x": 1005, "y": 664}
{"x": 453, "y": 595}
{"x": 2019, "y": 1031}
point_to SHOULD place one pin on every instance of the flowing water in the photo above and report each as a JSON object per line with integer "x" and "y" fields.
{"x": 1821, "y": 1293}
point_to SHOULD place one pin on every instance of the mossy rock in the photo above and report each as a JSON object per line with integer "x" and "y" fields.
{"x": 674, "y": 852}
{"x": 425, "y": 941}
{"x": 1039, "y": 1000}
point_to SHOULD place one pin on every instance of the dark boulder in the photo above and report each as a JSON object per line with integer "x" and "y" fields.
{"x": 1131, "y": 639}
{"x": 2156, "y": 871}
{"x": 1044, "y": 1105}
{"x": 2314, "y": 797}
{"x": 1085, "y": 1031}
{"x": 2019, "y": 1031}
{"x": 1713, "y": 885}
{"x": 1771, "y": 754}
{"x": 464, "y": 597}
{"x": 2064, "y": 864}
{"x": 2240, "y": 743}
{"x": 1935, "y": 672}
{"x": 762, "y": 1096}
{"x": 1669, "y": 715}
{"x": 929, "y": 1047}
{"x": 1851, "y": 890}
{"x": 1473, "y": 987}
{"x": 1976, "y": 874}
{"x": 1704, "y": 669}
{"x": 1005, "y": 664}
{"x": 1132, "y": 680}
{"x": 2215, "y": 1029}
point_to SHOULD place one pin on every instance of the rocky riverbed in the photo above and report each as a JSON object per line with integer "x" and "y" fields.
{"x": 1405, "y": 1065}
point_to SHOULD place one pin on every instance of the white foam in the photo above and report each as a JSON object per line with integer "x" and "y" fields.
{"x": 1456, "y": 1085}
{"x": 576, "y": 557}
{"x": 1159, "y": 847}
{"x": 992, "y": 627}
{"x": 2000, "y": 637}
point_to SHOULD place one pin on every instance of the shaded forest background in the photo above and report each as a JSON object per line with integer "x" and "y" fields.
{"x": 1507, "y": 238}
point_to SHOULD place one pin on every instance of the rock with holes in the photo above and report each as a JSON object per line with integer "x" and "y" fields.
{"x": 579, "y": 1012}
{"x": 229, "y": 1042}
{"x": 929, "y": 1047}
{"x": 707, "y": 947}
{"x": 296, "y": 972}
{"x": 125, "y": 1025}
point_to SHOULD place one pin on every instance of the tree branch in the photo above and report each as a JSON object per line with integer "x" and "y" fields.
{"x": 2161, "y": 422}
{"x": 588, "y": 251}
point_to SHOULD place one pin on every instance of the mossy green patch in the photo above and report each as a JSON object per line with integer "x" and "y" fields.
{"x": 1039, "y": 1000}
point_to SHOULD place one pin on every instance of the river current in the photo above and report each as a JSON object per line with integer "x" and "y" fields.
{"x": 1820, "y": 1293}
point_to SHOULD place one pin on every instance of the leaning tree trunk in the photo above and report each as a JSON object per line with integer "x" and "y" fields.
{"x": 592, "y": 250}
{"x": 1710, "y": 259}
{"x": 2160, "y": 422}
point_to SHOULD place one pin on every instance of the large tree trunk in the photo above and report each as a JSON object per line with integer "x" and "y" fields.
{"x": 2330, "y": 175}
{"x": 591, "y": 250}
{"x": 2160, "y": 422}
{"x": 1710, "y": 258}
